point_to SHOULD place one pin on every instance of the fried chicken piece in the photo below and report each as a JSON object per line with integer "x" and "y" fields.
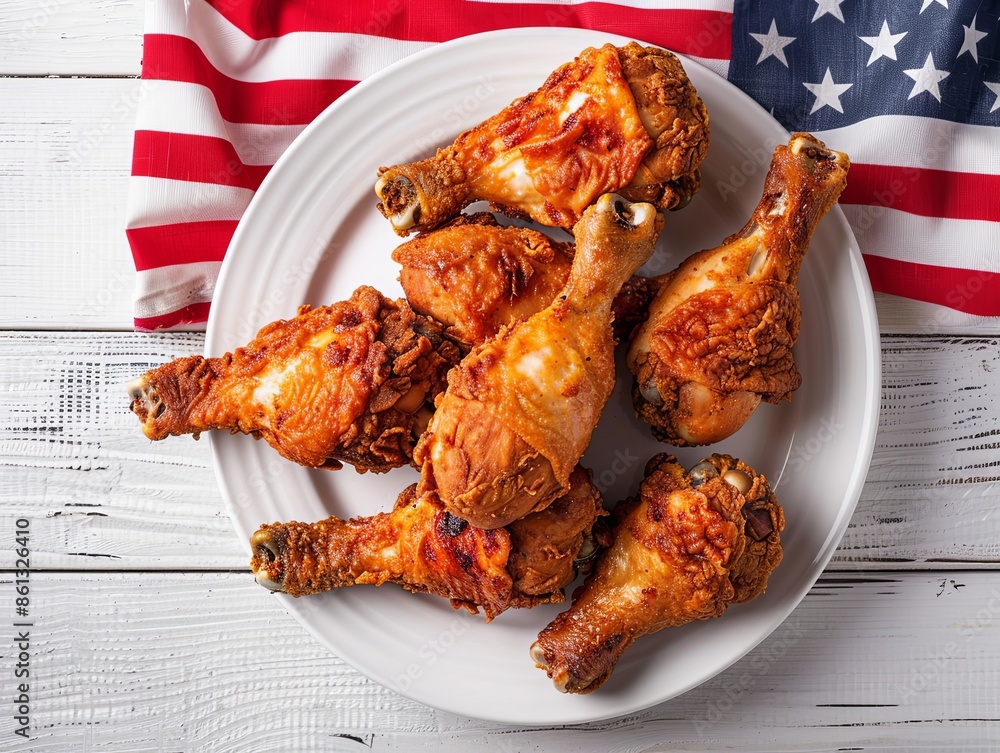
{"x": 687, "y": 548}
{"x": 351, "y": 382}
{"x": 721, "y": 326}
{"x": 615, "y": 119}
{"x": 675, "y": 119}
{"x": 424, "y": 548}
{"x": 549, "y": 547}
{"x": 519, "y": 409}
{"x": 476, "y": 277}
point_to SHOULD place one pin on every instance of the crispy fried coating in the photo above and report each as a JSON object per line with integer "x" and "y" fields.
{"x": 520, "y": 409}
{"x": 424, "y": 548}
{"x": 349, "y": 382}
{"x": 686, "y": 549}
{"x": 476, "y": 277}
{"x": 675, "y": 119}
{"x": 613, "y": 119}
{"x": 720, "y": 330}
{"x": 546, "y": 545}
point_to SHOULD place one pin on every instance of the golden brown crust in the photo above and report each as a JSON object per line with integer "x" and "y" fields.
{"x": 734, "y": 338}
{"x": 688, "y": 547}
{"x": 615, "y": 119}
{"x": 473, "y": 456}
{"x": 720, "y": 330}
{"x": 573, "y": 150}
{"x": 435, "y": 189}
{"x": 675, "y": 118}
{"x": 424, "y": 548}
{"x": 520, "y": 409}
{"x": 419, "y": 545}
{"x": 476, "y": 277}
{"x": 545, "y": 544}
{"x": 342, "y": 382}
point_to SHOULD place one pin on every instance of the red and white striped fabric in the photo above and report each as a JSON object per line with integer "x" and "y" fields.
{"x": 229, "y": 84}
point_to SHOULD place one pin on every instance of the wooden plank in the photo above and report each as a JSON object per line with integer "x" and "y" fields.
{"x": 96, "y": 491}
{"x": 148, "y": 662}
{"x": 71, "y": 37}
{"x": 64, "y": 168}
{"x": 932, "y": 490}
{"x": 77, "y": 466}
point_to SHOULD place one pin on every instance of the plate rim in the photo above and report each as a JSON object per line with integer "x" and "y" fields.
{"x": 869, "y": 319}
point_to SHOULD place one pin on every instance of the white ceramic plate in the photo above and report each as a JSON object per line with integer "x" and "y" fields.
{"x": 312, "y": 234}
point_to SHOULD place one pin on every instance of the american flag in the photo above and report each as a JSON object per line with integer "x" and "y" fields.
{"x": 910, "y": 89}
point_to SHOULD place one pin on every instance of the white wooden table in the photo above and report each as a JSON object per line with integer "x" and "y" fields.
{"x": 148, "y": 633}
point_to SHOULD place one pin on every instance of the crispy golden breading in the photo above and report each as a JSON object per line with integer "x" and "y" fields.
{"x": 424, "y": 548}
{"x": 721, "y": 327}
{"x": 520, "y": 409}
{"x": 476, "y": 277}
{"x": 686, "y": 549}
{"x": 675, "y": 119}
{"x": 351, "y": 382}
{"x": 613, "y": 119}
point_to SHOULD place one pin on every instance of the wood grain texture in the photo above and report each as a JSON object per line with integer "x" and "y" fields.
{"x": 934, "y": 484}
{"x": 71, "y": 37}
{"x": 64, "y": 169}
{"x": 98, "y": 493}
{"x": 211, "y": 662}
{"x": 64, "y": 166}
{"x": 896, "y": 648}
{"x": 76, "y": 464}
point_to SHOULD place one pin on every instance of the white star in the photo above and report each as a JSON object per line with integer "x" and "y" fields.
{"x": 928, "y": 2}
{"x": 971, "y": 43}
{"x": 926, "y": 79}
{"x": 827, "y": 93}
{"x": 828, "y": 6}
{"x": 772, "y": 43}
{"x": 884, "y": 45}
{"x": 995, "y": 88}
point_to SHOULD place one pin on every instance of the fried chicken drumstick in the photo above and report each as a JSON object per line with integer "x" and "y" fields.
{"x": 615, "y": 119}
{"x": 475, "y": 277}
{"x": 720, "y": 330}
{"x": 520, "y": 409}
{"x": 350, "y": 382}
{"x": 691, "y": 544}
{"x": 424, "y": 548}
